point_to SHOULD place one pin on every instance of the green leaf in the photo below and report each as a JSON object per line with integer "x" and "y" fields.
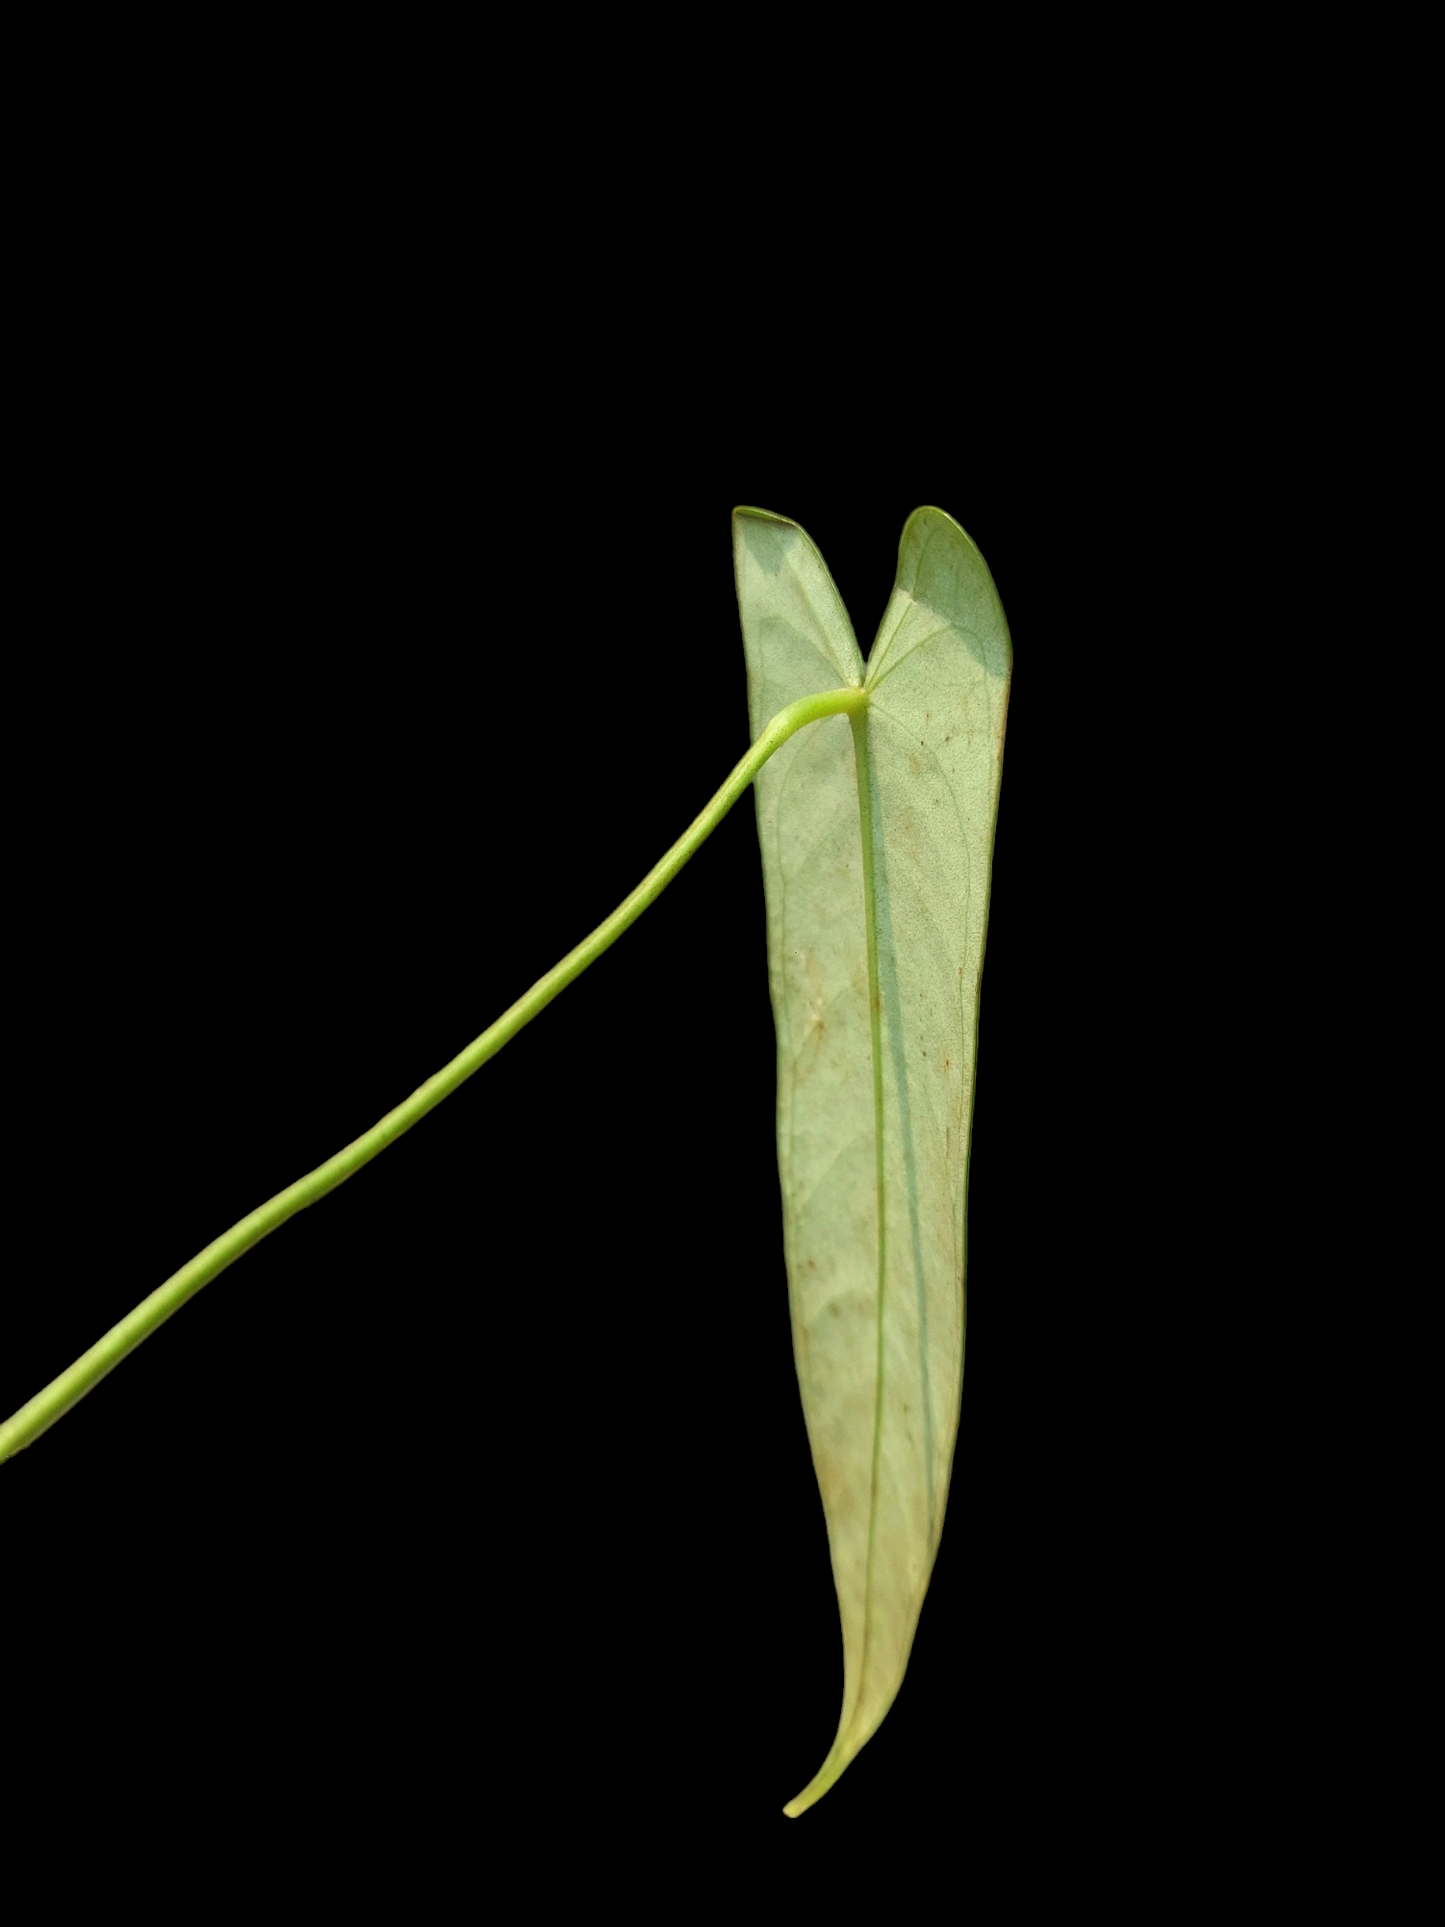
{"x": 875, "y": 952}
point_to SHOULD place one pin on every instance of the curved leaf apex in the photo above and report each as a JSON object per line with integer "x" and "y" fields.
{"x": 765, "y": 515}
{"x": 782, "y": 577}
{"x": 929, "y": 511}
{"x": 932, "y": 508}
{"x": 926, "y": 513}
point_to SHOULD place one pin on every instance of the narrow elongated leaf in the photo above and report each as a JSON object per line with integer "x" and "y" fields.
{"x": 877, "y": 838}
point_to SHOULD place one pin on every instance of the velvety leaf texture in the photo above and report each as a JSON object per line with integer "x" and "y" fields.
{"x": 874, "y": 1109}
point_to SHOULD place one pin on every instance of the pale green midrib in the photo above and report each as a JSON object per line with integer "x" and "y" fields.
{"x": 859, "y": 724}
{"x": 848, "y": 1740}
{"x": 24, "y": 1426}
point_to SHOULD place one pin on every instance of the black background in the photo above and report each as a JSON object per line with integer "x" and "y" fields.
{"x": 372, "y": 632}
{"x": 369, "y": 684}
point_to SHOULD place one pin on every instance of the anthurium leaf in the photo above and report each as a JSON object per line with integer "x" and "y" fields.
{"x": 875, "y": 952}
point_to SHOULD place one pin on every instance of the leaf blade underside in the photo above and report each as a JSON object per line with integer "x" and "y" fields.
{"x": 874, "y": 1109}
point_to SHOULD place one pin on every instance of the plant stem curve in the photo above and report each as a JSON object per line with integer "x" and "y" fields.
{"x": 38, "y": 1414}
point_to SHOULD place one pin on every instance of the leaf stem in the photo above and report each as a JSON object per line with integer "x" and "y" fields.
{"x": 41, "y": 1412}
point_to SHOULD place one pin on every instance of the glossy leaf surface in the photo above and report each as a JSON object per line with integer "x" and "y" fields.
{"x": 875, "y": 953}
